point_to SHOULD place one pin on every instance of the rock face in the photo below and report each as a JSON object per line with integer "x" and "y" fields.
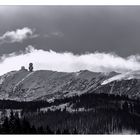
{"x": 43, "y": 84}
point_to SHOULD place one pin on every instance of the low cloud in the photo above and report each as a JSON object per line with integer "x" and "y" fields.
{"x": 68, "y": 62}
{"x": 54, "y": 34}
{"x": 17, "y": 36}
{"x": 58, "y": 34}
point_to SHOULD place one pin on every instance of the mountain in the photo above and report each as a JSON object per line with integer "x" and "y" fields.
{"x": 47, "y": 85}
{"x": 23, "y": 85}
{"x": 127, "y": 84}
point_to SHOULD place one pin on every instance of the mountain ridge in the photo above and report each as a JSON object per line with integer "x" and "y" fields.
{"x": 24, "y": 85}
{"x": 45, "y": 84}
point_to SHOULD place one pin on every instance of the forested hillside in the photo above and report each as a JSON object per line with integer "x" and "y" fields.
{"x": 85, "y": 114}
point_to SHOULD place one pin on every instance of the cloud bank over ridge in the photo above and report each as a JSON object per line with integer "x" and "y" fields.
{"x": 69, "y": 62}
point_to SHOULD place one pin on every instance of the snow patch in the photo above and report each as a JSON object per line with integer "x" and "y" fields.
{"x": 124, "y": 76}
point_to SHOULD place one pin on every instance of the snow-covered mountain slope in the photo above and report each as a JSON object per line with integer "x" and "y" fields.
{"x": 43, "y": 84}
{"x": 124, "y": 76}
{"x": 127, "y": 84}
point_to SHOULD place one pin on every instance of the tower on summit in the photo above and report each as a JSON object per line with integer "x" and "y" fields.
{"x": 30, "y": 67}
{"x": 23, "y": 68}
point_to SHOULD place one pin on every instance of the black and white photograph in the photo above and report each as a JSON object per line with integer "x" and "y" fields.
{"x": 70, "y": 69}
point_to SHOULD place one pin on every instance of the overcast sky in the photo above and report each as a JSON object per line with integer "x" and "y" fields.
{"x": 75, "y": 29}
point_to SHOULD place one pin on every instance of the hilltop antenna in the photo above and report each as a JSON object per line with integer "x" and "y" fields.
{"x": 31, "y": 67}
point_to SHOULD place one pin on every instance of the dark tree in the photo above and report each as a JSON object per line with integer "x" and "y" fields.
{"x": 12, "y": 122}
{"x": 125, "y": 106}
{"x": 49, "y": 131}
{"x": 58, "y": 131}
{"x": 66, "y": 131}
{"x": 5, "y": 126}
{"x": 33, "y": 130}
{"x": 40, "y": 130}
{"x": 75, "y": 131}
{"x": 26, "y": 128}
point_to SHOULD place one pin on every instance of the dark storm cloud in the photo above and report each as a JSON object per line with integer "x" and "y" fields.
{"x": 84, "y": 28}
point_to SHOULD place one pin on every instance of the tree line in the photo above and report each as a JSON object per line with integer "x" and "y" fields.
{"x": 15, "y": 125}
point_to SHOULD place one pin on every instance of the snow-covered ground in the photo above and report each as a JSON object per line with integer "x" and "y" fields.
{"x": 124, "y": 76}
{"x": 66, "y": 107}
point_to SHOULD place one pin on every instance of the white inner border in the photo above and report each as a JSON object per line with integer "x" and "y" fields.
{"x": 69, "y": 2}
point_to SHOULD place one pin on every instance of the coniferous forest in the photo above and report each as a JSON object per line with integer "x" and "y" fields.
{"x": 85, "y": 114}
